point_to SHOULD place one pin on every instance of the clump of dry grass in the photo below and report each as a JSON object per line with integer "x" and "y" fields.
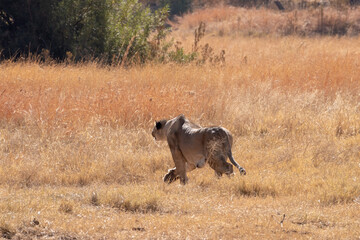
{"x": 66, "y": 207}
{"x": 135, "y": 200}
{"x": 254, "y": 189}
{"x": 6, "y": 231}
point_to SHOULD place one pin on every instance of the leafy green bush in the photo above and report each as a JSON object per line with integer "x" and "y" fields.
{"x": 110, "y": 29}
{"x": 134, "y": 32}
{"x": 116, "y": 31}
{"x": 179, "y": 56}
{"x": 79, "y": 27}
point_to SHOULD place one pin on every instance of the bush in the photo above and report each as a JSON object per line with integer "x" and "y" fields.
{"x": 116, "y": 31}
{"x": 111, "y": 29}
{"x": 23, "y": 26}
{"x": 79, "y": 27}
{"x": 130, "y": 27}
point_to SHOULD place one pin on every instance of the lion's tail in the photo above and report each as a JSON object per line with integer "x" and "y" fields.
{"x": 232, "y": 160}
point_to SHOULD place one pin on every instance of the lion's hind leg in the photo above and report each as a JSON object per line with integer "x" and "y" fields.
{"x": 220, "y": 166}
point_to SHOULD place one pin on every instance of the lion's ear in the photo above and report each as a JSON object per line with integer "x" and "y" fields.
{"x": 158, "y": 125}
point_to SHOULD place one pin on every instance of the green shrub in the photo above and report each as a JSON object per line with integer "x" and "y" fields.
{"x": 134, "y": 32}
{"x": 84, "y": 29}
{"x": 79, "y": 27}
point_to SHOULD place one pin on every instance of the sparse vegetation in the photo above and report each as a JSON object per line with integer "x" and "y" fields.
{"x": 77, "y": 159}
{"x": 241, "y": 22}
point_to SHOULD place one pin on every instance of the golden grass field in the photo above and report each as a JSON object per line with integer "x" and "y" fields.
{"x": 77, "y": 159}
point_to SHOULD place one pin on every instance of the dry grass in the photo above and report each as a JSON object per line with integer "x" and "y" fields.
{"x": 77, "y": 159}
{"x": 229, "y": 21}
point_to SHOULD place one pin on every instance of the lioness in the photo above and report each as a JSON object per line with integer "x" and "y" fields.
{"x": 192, "y": 146}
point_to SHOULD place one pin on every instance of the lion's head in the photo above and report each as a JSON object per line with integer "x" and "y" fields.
{"x": 159, "y": 132}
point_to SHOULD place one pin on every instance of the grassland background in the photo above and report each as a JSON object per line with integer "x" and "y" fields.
{"x": 77, "y": 159}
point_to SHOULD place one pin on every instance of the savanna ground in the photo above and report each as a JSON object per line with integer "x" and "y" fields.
{"x": 77, "y": 160}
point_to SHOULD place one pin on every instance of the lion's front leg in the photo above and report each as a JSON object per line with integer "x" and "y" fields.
{"x": 180, "y": 165}
{"x": 178, "y": 157}
{"x": 171, "y": 176}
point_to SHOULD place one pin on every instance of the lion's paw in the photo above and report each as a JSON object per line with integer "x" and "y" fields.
{"x": 242, "y": 171}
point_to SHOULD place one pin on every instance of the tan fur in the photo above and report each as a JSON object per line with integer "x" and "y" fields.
{"x": 192, "y": 146}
